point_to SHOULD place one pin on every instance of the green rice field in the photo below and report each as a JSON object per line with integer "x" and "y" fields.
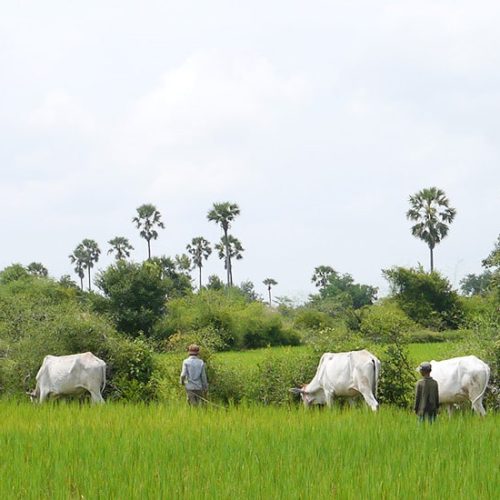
{"x": 115, "y": 451}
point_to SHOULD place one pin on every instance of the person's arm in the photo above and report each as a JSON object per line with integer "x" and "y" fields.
{"x": 183, "y": 373}
{"x": 437, "y": 396}
{"x": 418, "y": 397}
{"x": 204, "y": 381}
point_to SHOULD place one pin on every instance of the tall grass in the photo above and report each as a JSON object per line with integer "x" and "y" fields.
{"x": 117, "y": 451}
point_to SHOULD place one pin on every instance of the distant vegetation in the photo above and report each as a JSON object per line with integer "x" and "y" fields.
{"x": 138, "y": 311}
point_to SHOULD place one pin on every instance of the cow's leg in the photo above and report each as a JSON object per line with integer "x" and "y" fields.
{"x": 477, "y": 406}
{"x": 329, "y": 398}
{"x": 96, "y": 397}
{"x": 370, "y": 399}
{"x": 352, "y": 402}
{"x": 43, "y": 396}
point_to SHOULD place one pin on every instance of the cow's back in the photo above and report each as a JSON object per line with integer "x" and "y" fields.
{"x": 455, "y": 376}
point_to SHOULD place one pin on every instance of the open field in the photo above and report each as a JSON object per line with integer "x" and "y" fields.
{"x": 417, "y": 352}
{"x": 133, "y": 451}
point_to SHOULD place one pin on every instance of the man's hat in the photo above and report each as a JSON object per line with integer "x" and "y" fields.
{"x": 194, "y": 349}
{"x": 425, "y": 367}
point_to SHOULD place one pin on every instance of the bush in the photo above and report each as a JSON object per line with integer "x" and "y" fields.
{"x": 42, "y": 317}
{"x": 427, "y": 298}
{"x": 335, "y": 339}
{"x": 384, "y": 321}
{"x": 397, "y": 378}
{"x": 311, "y": 319}
{"x": 238, "y": 323}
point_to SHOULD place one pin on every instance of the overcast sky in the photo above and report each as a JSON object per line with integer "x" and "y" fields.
{"x": 318, "y": 118}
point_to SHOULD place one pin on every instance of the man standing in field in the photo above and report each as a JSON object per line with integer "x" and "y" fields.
{"x": 194, "y": 376}
{"x": 427, "y": 395}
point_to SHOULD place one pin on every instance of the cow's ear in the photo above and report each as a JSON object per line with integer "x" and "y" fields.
{"x": 296, "y": 390}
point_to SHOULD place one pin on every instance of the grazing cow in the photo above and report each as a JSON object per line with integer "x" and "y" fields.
{"x": 343, "y": 374}
{"x": 461, "y": 379}
{"x": 70, "y": 375}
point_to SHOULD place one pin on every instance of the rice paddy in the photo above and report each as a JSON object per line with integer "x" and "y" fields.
{"x": 61, "y": 451}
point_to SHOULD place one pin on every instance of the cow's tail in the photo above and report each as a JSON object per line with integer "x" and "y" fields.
{"x": 103, "y": 384}
{"x": 375, "y": 377}
{"x": 487, "y": 379}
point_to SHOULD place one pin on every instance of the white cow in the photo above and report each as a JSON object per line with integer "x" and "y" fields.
{"x": 461, "y": 379}
{"x": 343, "y": 374}
{"x": 70, "y": 375}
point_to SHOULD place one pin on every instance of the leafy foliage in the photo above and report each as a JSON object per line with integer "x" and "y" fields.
{"x": 427, "y": 298}
{"x": 40, "y": 317}
{"x": 239, "y": 323}
{"x": 135, "y": 294}
{"x": 430, "y": 209}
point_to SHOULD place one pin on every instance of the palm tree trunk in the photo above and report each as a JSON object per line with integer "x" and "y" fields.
{"x": 200, "y": 277}
{"x": 89, "y": 280}
{"x": 228, "y": 260}
{"x": 81, "y": 283}
{"x": 269, "y": 290}
{"x": 149, "y": 249}
{"x": 432, "y": 259}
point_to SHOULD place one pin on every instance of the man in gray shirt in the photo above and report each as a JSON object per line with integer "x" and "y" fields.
{"x": 194, "y": 376}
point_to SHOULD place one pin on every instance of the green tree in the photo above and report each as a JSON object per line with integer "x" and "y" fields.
{"x": 321, "y": 275}
{"x": 426, "y": 298}
{"x": 229, "y": 248}
{"x": 121, "y": 247}
{"x": 270, "y": 282}
{"x": 85, "y": 255}
{"x": 135, "y": 294}
{"x": 214, "y": 283}
{"x": 341, "y": 289}
{"x": 430, "y": 209}
{"x": 37, "y": 269}
{"x": 78, "y": 259}
{"x": 200, "y": 250}
{"x": 13, "y": 272}
{"x": 476, "y": 284}
{"x": 148, "y": 218}
{"x": 223, "y": 214}
{"x": 175, "y": 271}
{"x": 492, "y": 264}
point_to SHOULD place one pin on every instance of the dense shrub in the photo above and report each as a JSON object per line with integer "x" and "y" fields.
{"x": 338, "y": 338}
{"x": 42, "y": 317}
{"x": 238, "y": 323}
{"x": 382, "y": 322}
{"x": 135, "y": 295}
{"x": 426, "y": 298}
{"x": 312, "y": 319}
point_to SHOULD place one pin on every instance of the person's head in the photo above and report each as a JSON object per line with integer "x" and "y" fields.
{"x": 194, "y": 350}
{"x": 425, "y": 369}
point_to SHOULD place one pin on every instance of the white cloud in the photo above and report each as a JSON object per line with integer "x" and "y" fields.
{"x": 189, "y": 130}
{"x": 60, "y": 111}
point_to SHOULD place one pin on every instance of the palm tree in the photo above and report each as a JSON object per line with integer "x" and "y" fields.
{"x": 37, "y": 269}
{"x": 77, "y": 258}
{"x": 147, "y": 219}
{"x": 430, "y": 209}
{"x": 121, "y": 246}
{"x": 84, "y": 256}
{"x": 269, "y": 282}
{"x": 200, "y": 250}
{"x": 321, "y": 276}
{"x": 223, "y": 214}
{"x": 229, "y": 248}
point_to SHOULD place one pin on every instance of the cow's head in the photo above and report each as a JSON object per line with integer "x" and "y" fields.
{"x": 309, "y": 398}
{"x": 32, "y": 395}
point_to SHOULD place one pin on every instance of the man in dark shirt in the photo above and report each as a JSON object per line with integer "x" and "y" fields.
{"x": 427, "y": 395}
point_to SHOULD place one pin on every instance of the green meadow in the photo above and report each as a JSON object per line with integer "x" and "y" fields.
{"x": 62, "y": 451}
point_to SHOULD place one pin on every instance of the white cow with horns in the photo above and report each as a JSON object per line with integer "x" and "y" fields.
{"x": 70, "y": 375}
{"x": 347, "y": 374}
{"x": 461, "y": 379}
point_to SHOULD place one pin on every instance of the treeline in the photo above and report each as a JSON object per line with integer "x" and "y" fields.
{"x": 139, "y": 309}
